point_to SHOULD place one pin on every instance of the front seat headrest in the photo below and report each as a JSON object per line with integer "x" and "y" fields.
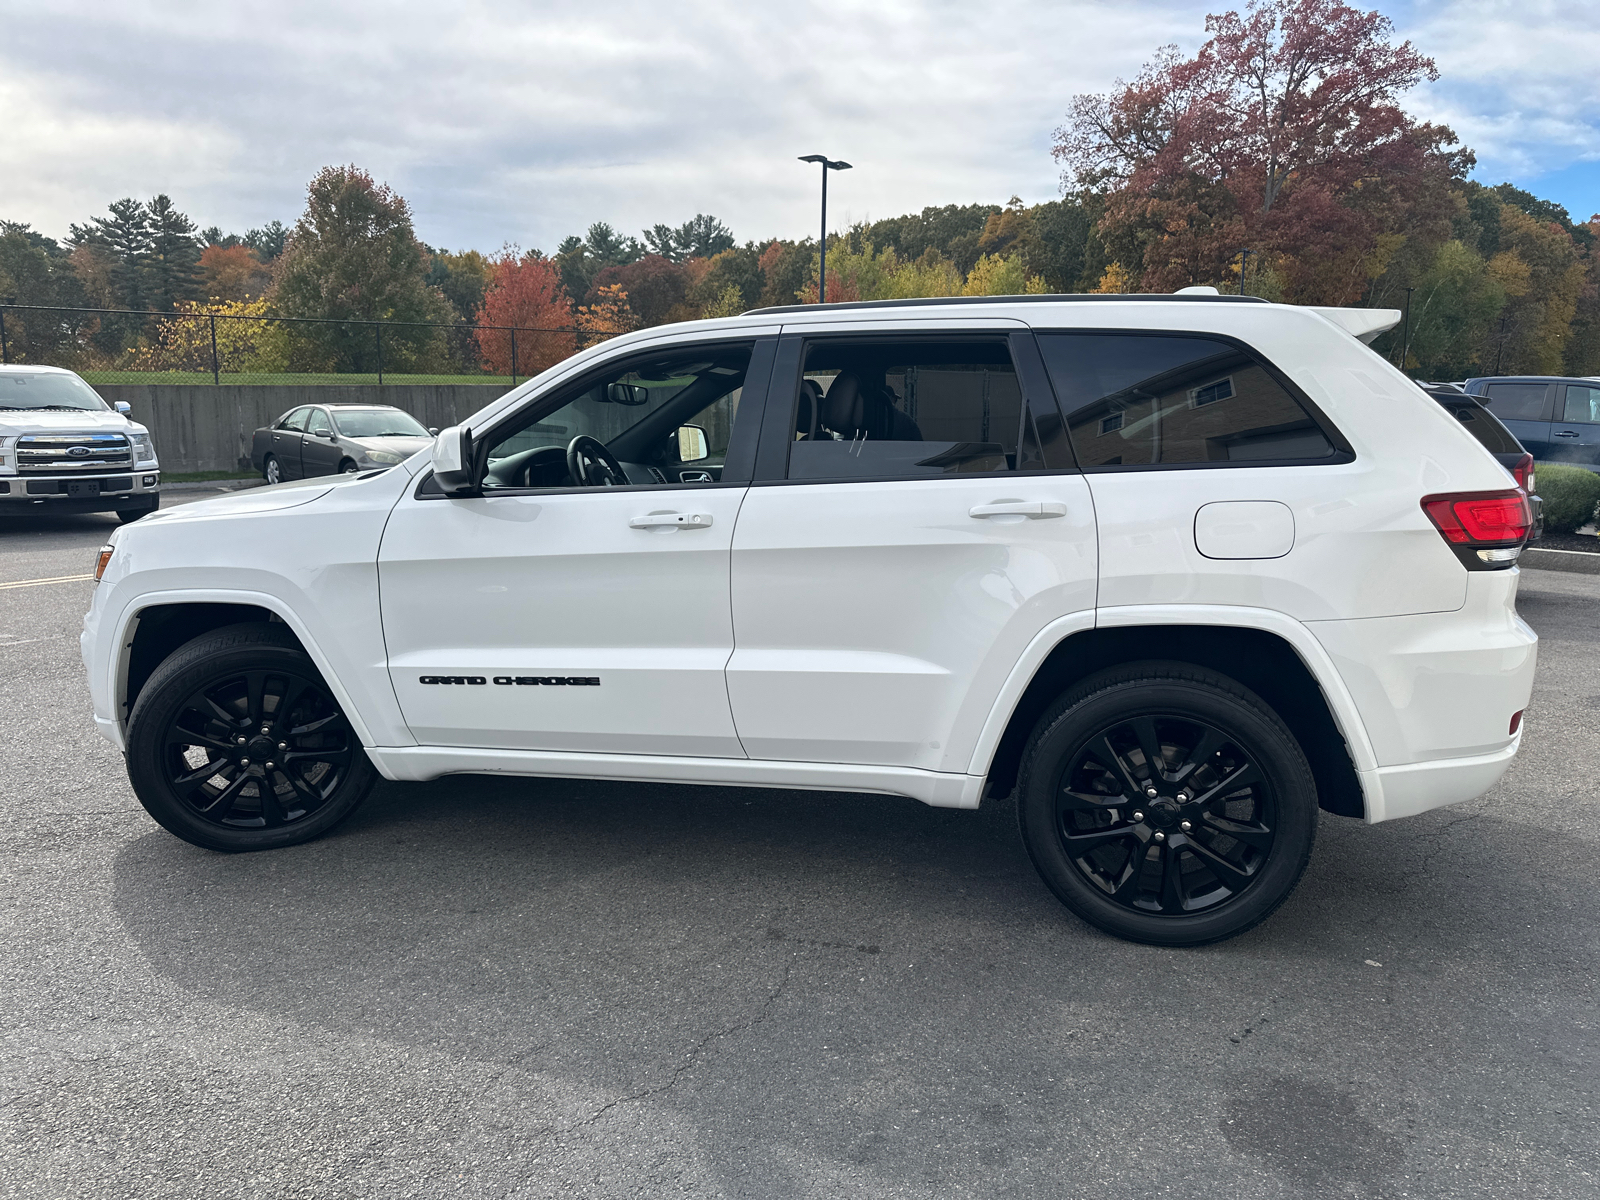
{"x": 807, "y": 413}
{"x": 842, "y": 406}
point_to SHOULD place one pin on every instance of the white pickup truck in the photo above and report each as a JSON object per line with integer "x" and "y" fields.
{"x": 64, "y": 449}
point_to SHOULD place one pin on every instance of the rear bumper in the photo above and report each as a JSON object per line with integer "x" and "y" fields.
{"x": 1394, "y": 792}
{"x": 38, "y": 494}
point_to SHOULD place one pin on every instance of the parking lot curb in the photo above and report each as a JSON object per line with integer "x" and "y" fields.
{"x": 1579, "y": 561}
{"x": 213, "y": 485}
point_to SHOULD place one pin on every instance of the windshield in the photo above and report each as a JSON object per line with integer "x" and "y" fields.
{"x": 24, "y": 390}
{"x": 377, "y": 422}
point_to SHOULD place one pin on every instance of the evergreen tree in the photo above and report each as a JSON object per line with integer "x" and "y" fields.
{"x": 173, "y": 263}
{"x": 125, "y": 239}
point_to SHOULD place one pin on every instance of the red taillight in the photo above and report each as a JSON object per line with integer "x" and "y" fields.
{"x": 1481, "y": 518}
{"x": 1522, "y": 472}
{"x": 1516, "y": 722}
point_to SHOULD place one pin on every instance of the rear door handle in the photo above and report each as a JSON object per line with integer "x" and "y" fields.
{"x": 672, "y": 521}
{"x": 1034, "y": 510}
{"x": 1566, "y": 433}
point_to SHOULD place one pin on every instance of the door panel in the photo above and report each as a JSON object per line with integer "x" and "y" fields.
{"x": 521, "y": 591}
{"x": 1575, "y": 433}
{"x": 319, "y": 455}
{"x": 1525, "y": 409}
{"x": 877, "y": 622}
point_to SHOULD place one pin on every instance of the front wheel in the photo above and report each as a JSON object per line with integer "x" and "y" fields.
{"x": 129, "y": 515}
{"x": 236, "y": 743}
{"x": 1167, "y": 804}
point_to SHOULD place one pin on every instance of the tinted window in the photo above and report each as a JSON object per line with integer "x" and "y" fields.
{"x": 1133, "y": 400}
{"x": 1517, "y": 401}
{"x": 1583, "y": 404}
{"x": 318, "y": 421}
{"x": 1495, "y": 437}
{"x": 892, "y": 410}
{"x": 295, "y": 421}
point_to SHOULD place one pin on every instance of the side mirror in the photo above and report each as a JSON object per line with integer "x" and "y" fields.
{"x": 692, "y": 445}
{"x": 433, "y": 431}
{"x": 325, "y": 433}
{"x": 631, "y": 394}
{"x": 123, "y": 407}
{"x": 453, "y": 461}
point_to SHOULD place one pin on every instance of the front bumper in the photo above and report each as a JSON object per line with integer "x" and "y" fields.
{"x": 80, "y": 493}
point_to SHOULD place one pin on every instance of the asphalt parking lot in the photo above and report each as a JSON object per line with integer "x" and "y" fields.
{"x": 532, "y": 988}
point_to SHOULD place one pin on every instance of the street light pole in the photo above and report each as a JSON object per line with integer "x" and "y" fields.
{"x": 822, "y": 270}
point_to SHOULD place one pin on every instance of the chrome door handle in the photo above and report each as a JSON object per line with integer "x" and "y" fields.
{"x": 1034, "y": 510}
{"x": 672, "y": 521}
{"x": 1566, "y": 433}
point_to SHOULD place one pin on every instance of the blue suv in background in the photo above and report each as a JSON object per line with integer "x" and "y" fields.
{"x": 1556, "y": 418}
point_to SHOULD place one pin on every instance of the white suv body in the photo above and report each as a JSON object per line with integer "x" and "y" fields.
{"x": 818, "y": 610}
{"x": 64, "y": 449}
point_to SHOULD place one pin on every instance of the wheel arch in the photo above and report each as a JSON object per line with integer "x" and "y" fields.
{"x": 154, "y": 625}
{"x": 1263, "y": 660}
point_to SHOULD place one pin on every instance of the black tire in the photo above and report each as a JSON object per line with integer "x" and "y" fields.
{"x": 129, "y": 515}
{"x": 272, "y": 470}
{"x": 222, "y": 702}
{"x": 347, "y": 467}
{"x": 1195, "y": 866}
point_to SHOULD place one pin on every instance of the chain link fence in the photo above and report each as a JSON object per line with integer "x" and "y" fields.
{"x": 243, "y": 344}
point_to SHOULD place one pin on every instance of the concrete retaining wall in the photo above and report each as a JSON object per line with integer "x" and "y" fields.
{"x": 199, "y": 428}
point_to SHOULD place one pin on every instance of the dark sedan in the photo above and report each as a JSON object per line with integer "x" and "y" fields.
{"x": 333, "y": 439}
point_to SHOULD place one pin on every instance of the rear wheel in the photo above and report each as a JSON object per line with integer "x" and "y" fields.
{"x": 1167, "y": 804}
{"x": 271, "y": 471}
{"x": 236, "y": 743}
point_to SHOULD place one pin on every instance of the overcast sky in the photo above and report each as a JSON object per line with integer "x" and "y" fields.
{"x": 505, "y": 121}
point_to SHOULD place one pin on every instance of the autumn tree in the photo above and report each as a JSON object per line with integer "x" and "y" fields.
{"x": 1283, "y": 133}
{"x": 524, "y": 294}
{"x": 353, "y": 257}
{"x": 233, "y": 273}
{"x": 655, "y": 288}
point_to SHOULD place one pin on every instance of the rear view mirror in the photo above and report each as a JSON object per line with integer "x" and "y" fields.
{"x": 692, "y": 445}
{"x": 631, "y": 394}
{"x": 453, "y": 461}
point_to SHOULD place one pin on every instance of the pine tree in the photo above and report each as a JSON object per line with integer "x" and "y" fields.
{"x": 173, "y": 264}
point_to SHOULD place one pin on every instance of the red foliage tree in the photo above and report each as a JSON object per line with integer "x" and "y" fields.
{"x": 1283, "y": 133}
{"x": 524, "y": 294}
{"x": 655, "y": 287}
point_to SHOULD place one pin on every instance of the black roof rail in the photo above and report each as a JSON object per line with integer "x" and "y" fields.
{"x": 1049, "y": 298}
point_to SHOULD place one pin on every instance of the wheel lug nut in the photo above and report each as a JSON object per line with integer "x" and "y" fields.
{"x": 1138, "y": 816}
{"x": 1151, "y": 792}
{"x": 283, "y": 745}
{"x": 239, "y": 740}
{"x": 244, "y": 762}
{"x": 271, "y": 765}
{"x": 1185, "y": 826}
{"x": 1160, "y": 837}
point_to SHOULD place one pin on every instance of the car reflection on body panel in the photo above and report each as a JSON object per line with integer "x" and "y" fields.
{"x": 333, "y": 439}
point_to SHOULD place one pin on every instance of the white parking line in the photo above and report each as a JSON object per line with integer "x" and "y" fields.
{"x": 37, "y": 582}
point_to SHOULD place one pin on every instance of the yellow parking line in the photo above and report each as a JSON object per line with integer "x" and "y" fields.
{"x": 38, "y": 582}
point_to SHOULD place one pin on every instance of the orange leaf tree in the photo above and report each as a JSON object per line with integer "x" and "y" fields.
{"x": 525, "y": 295}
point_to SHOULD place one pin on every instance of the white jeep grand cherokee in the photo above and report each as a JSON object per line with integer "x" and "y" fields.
{"x": 1174, "y": 571}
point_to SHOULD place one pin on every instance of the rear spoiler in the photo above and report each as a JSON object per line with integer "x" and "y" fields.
{"x": 1364, "y": 324}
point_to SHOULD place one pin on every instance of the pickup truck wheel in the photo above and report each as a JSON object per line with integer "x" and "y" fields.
{"x": 1166, "y": 804}
{"x": 271, "y": 471}
{"x": 236, "y": 743}
{"x": 129, "y": 515}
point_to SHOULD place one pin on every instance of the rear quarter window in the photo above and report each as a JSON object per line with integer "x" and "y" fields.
{"x": 1518, "y": 401}
{"x": 1136, "y": 400}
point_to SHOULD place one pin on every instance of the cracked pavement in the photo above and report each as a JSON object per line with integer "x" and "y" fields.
{"x": 504, "y": 988}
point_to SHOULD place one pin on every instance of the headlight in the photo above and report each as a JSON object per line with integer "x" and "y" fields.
{"x": 383, "y": 456}
{"x": 8, "y": 458}
{"x": 143, "y": 451}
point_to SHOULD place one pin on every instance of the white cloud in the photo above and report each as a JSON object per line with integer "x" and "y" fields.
{"x": 502, "y": 120}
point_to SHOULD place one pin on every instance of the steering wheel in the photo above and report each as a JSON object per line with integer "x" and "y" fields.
{"x": 591, "y": 465}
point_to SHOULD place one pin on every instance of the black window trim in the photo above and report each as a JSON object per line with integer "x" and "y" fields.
{"x": 741, "y": 439}
{"x": 1343, "y": 453}
{"x": 777, "y": 428}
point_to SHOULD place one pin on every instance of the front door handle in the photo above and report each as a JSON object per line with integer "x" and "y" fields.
{"x": 1034, "y": 510}
{"x": 1566, "y": 433}
{"x": 672, "y": 521}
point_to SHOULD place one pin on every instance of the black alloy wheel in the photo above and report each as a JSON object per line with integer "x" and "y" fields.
{"x": 1167, "y": 804}
{"x": 236, "y": 743}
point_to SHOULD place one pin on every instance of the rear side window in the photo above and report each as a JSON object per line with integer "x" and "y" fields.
{"x": 1583, "y": 404}
{"x": 1133, "y": 400}
{"x": 295, "y": 421}
{"x": 903, "y": 409}
{"x": 1495, "y": 437}
{"x": 1518, "y": 401}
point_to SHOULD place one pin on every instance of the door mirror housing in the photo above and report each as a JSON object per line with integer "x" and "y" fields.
{"x": 325, "y": 433}
{"x": 454, "y": 462}
{"x": 692, "y": 444}
{"x": 123, "y": 407}
{"x": 433, "y": 431}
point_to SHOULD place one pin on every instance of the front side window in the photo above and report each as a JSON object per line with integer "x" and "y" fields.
{"x": 1144, "y": 400}
{"x": 1517, "y": 401}
{"x": 903, "y": 409}
{"x": 1583, "y": 404}
{"x": 665, "y": 418}
{"x": 318, "y": 422}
